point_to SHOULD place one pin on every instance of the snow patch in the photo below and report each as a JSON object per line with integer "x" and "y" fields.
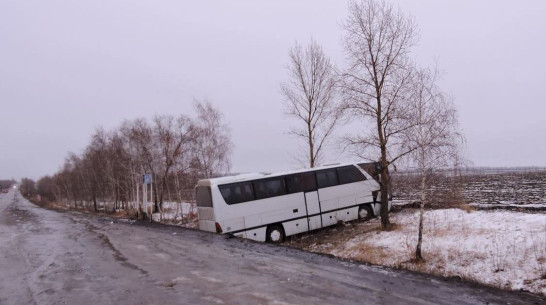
{"x": 505, "y": 249}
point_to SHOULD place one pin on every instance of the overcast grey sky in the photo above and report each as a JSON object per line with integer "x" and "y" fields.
{"x": 67, "y": 67}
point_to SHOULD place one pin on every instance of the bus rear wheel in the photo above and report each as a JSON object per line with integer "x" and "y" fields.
{"x": 275, "y": 234}
{"x": 365, "y": 212}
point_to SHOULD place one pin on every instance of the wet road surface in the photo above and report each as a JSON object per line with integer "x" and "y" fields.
{"x": 47, "y": 257}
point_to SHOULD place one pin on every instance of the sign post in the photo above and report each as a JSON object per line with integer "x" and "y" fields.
{"x": 147, "y": 180}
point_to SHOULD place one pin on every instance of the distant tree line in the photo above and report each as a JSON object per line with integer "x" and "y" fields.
{"x": 108, "y": 175}
{"x": 4, "y": 184}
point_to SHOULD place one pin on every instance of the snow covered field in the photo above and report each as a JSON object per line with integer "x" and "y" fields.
{"x": 499, "y": 248}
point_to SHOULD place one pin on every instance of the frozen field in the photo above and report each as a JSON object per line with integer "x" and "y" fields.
{"x": 515, "y": 188}
{"x": 504, "y": 187}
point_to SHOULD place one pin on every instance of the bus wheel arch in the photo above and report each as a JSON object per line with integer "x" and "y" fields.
{"x": 275, "y": 233}
{"x": 365, "y": 212}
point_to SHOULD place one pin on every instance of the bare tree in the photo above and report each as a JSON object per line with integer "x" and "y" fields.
{"x": 435, "y": 139}
{"x": 376, "y": 84}
{"x": 118, "y": 172}
{"x": 141, "y": 134}
{"x": 134, "y": 165}
{"x": 212, "y": 144}
{"x": 100, "y": 162}
{"x": 310, "y": 97}
{"x": 46, "y": 188}
{"x": 27, "y": 187}
{"x": 173, "y": 137}
{"x": 92, "y": 173}
{"x": 66, "y": 179}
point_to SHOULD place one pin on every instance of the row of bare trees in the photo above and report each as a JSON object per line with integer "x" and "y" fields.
{"x": 406, "y": 116}
{"x": 175, "y": 150}
{"x": 5, "y": 184}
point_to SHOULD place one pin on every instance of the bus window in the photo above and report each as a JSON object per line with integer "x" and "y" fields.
{"x": 237, "y": 192}
{"x": 349, "y": 174}
{"x": 303, "y": 182}
{"x": 269, "y": 188}
{"x": 202, "y": 196}
{"x": 327, "y": 178}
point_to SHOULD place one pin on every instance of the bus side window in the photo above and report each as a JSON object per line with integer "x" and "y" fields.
{"x": 237, "y": 192}
{"x": 327, "y": 178}
{"x": 269, "y": 188}
{"x": 225, "y": 190}
{"x": 349, "y": 174}
{"x": 303, "y": 182}
{"x": 248, "y": 193}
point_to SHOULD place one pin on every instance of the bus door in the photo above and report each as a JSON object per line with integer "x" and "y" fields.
{"x": 313, "y": 210}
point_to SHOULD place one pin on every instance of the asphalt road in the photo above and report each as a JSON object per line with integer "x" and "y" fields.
{"x": 47, "y": 257}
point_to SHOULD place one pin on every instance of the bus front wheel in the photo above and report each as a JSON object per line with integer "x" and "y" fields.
{"x": 365, "y": 212}
{"x": 275, "y": 234}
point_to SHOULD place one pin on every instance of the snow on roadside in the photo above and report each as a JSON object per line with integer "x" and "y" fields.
{"x": 181, "y": 213}
{"x": 499, "y": 248}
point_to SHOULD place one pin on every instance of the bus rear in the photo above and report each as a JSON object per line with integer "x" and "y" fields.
{"x": 205, "y": 209}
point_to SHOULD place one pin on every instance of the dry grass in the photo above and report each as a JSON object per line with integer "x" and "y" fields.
{"x": 124, "y": 214}
{"x": 366, "y": 253}
{"x": 168, "y": 284}
{"x": 327, "y": 239}
{"x": 466, "y": 207}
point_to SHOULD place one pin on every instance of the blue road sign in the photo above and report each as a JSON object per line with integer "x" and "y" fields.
{"x": 147, "y": 179}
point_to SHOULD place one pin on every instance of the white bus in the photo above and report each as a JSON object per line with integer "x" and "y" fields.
{"x": 269, "y": 207}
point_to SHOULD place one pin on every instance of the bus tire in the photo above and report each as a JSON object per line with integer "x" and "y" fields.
{"x": 365, "y": 212}
{"x": 275, "y": 234}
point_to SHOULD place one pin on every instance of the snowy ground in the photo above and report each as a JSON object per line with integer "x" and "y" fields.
{"x": 179, "y": 213}
{"x": 507, "y": 205}
{"x": 499, "y": 248}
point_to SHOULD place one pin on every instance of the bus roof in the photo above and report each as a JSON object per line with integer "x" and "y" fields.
{"x": 253, "y": 176}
